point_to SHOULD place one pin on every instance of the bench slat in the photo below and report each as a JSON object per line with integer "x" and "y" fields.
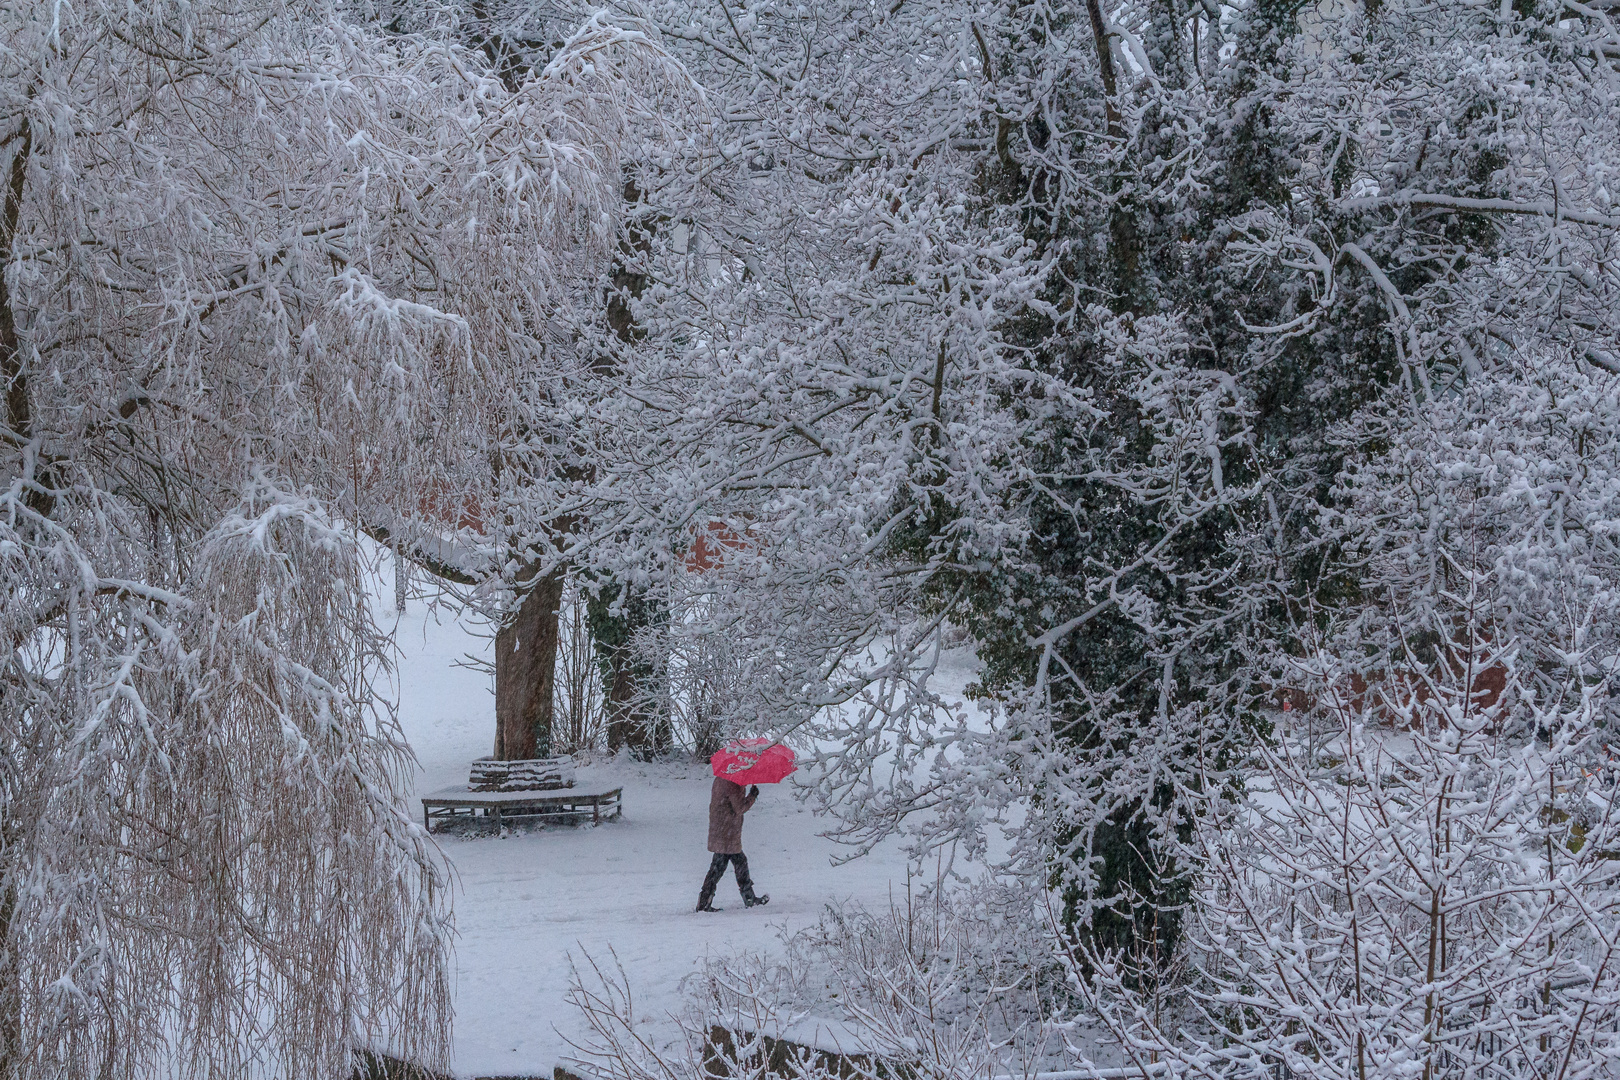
{"x": 530, "y": 774}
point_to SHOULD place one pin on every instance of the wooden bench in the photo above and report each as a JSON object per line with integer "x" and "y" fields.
{"x": 451, "y": 803}
{"x": 532, "y": 774}
{"x": 827, "y": 1049}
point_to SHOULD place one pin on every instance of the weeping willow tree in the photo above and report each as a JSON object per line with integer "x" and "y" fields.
{"x": 207, "y": 867}
{"x": 270, "y": 277}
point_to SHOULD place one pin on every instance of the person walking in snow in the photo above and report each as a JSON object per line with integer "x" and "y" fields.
{"x": 727, "y": 805}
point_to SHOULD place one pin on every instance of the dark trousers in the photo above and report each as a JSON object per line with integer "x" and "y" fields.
{"x": 717, "y": 870}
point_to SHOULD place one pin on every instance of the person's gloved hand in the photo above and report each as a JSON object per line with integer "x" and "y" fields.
{"x": 754, "y": 791}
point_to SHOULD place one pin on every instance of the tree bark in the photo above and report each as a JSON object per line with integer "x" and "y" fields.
{"x": 526, "y": 673}
{"x": 1105, "y": 64}
{"x": 631, "y": 679}
{"x": 625, "y": 729}
{"x": 634, "y": 719}
{"x": 18, "y": 418}
{"x": 18, "y": 411}
{"x": 10, "y": 987}
{"x": 402, "y": 579}
{"x": 634, "y": 722}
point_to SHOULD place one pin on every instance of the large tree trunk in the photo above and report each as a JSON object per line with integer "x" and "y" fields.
{"x": 10, "y": 988}
{"x": 526, "y": 673}
{"x": 635, "y": 718}
{"x": 631, "y": 679}
{"x": 18, "y": 411}
{"x": 623, "y": 726}
{"x": 14, "y": 383}
{"x": 634, "y": 721}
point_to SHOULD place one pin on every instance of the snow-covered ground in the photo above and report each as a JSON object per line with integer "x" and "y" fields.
{"x": 526, "y": 902}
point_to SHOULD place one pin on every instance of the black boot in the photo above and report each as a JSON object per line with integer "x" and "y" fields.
{"x": 745, "y": 883}
{"x": 711, "y": 881}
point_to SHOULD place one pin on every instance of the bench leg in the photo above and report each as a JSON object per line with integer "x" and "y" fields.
{"x": 427, "y": 826}
{"x": 496, "y": 811}
{"x": 596, "y": 813}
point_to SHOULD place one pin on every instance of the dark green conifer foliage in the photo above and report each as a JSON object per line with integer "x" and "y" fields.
{"x": 1139, "y": 228}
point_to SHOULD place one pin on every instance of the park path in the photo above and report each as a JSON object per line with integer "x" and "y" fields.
{"x": 526, "y": 903}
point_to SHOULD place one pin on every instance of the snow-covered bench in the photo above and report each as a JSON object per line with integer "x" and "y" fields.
{"x": 573, "y": 805}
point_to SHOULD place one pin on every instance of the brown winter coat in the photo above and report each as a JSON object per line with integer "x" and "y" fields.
{"x": 727, "y": 805}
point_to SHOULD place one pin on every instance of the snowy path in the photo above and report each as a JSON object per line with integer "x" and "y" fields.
{"x": 523, "y": 903}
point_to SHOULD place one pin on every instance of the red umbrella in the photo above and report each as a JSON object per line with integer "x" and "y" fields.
{"x": 753, "y": 761}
